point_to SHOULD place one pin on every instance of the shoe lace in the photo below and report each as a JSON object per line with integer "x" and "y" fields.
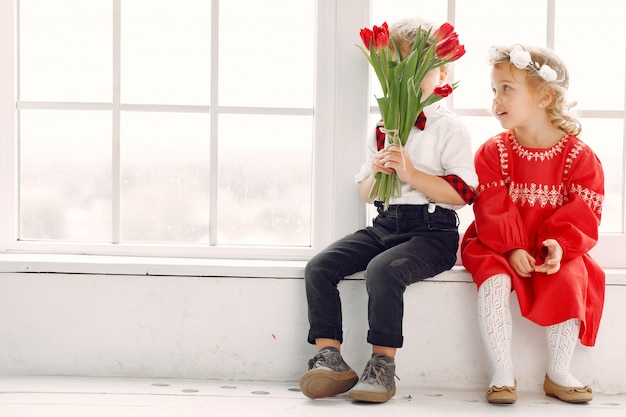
{"x": 377, "y": 370}
{"x": 321, "y": 359}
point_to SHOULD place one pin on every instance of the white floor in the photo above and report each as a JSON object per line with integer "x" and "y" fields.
{"x": 118, "y": 397}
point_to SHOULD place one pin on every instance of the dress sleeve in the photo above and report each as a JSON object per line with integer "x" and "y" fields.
{"x": 498, "y": 223}
{"x": 575, "y": 224}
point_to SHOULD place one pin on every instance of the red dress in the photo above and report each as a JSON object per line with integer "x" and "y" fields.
{"x": 526, "y": 196}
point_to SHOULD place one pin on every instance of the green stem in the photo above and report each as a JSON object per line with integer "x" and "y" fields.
{"x": 375, "y": 186}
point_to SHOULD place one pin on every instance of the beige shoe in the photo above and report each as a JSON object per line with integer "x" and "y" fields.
{"x": 567, "y": 394}
{"x": 502, "y": 395}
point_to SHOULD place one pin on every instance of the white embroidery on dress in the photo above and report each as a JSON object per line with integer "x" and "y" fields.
{"x": 504, "y": 156}
{"x": 493, "y": 184}
{"x": 569, "y": 160}
{"x": 541, "y": 194}
{"x": 591, "y": 198}
{"x": 504, "y": 167}
{"x": 536, "y": 155}
{"x": 533, "y": 194}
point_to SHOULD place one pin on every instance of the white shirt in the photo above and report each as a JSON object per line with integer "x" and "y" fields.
{"x": 442, "y": 148}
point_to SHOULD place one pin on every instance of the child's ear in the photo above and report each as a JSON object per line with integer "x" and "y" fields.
{"x": 546, "y": 97}
{"x": 443, "y": 75}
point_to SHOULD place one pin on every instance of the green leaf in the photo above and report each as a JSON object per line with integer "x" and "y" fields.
{"x": 383, "y": 105}
{"x": 379, "y": 68}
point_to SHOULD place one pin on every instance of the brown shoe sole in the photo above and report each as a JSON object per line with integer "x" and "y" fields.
{"x": 320, "y": 383}
{"x": 372, "y": 397}
{"x": 576, "y": 395}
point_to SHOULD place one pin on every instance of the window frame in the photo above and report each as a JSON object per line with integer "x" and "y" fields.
{"x": 341, "y": 118}
{"x": 332, "y": 207}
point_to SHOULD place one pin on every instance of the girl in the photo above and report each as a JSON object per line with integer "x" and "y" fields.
{"x": 537, "y": 213}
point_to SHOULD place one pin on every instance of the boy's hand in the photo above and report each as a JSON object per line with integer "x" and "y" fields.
{"x": 378, "y": 163}
{"x": 398, "y": 160}
{"x": 552, "y": 264}
{"x": 521, "y": 262}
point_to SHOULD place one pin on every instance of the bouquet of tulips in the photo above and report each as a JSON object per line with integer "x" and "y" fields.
{"x": 401, "y": 78}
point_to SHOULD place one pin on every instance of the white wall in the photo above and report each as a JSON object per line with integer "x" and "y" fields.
{"x": 255, "y": 329}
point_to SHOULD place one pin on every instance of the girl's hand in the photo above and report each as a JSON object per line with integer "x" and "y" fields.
{"x": 398, "y": 160}
{"x": 552, "y": 264}
{"x": 521, "y": 262}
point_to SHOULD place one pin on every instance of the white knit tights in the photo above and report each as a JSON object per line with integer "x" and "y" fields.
{"x": 562, "y": 340}
{"x": 494, "y": 319}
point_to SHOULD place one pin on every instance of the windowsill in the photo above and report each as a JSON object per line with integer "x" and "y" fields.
{"x": 154, "y": 266}
{"x": 194, "y": 267}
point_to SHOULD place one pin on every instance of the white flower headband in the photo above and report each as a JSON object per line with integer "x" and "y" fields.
{"x": 522, "y": 60}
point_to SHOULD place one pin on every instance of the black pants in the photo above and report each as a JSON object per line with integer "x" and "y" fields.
{"x": 406, "y": 244}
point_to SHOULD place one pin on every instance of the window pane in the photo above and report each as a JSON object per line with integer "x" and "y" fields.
{"x": 65, "y": 175}
{"x": 605, "y": 34}
{"x": 392, "y": 10}
{"x": 266, "y": 54}
{"x": 65, "y": 50}
{"x": 166, "y": 51}
{"x": 165, "y": 177}
{"x": 482, "y": 24}
{"x": 605, "y": 136}
{"x": 265, "y": 180}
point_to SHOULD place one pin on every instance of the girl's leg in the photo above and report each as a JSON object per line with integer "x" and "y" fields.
{"x": 562, "y": 340}
{"x": 494, "y": 319}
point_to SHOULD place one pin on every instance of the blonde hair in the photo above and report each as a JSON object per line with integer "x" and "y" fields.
{"x": 405, "y": 31}
{"x": 559, "y": 107}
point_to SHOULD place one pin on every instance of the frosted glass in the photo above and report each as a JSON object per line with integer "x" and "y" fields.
{"x": 65, "y": 51}
{"x": 265, "y": 180}
{"x": 65, "y": 175}
{"x": 266, "y": 54}
{"x": 164, "y": 177}
{"x": 166, "y": 52}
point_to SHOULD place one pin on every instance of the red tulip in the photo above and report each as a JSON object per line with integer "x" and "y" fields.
{"x": 443, "y": 32}
{"x": 366, "y": 36}
{"x": 443, "y": 90}
{"x": 450, "y": 48}
{"x": 381, "y": 36}
{"x": 378, "y": 35}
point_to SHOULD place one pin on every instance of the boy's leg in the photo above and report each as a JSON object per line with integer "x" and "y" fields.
{"x": 323, "y": 273}
{"x": 328, "y": 374}
{"x": 387, "y": 277}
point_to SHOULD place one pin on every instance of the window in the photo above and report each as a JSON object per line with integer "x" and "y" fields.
{"x": 153, "y": 122}
{"x": 234, "y": 128}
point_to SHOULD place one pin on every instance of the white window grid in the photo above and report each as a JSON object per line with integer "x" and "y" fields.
{"x": 341, "y": 104}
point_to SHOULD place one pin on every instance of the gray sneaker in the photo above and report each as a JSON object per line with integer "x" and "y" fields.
{"x": 377, "y": 384}
{"x": 328, "y": 375}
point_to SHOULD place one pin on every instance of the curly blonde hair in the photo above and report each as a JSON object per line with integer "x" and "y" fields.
{"x": 558, "y": 109}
